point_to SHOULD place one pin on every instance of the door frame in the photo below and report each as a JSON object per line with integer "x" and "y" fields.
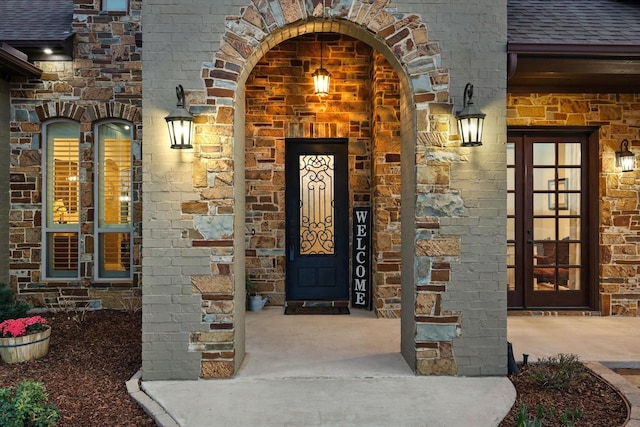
{"x": 590, "y": 263}
{"x": 341, "y": 235}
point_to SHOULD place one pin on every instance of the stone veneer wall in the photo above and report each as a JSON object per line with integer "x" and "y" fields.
{"x": 103, "y": 81}
{"x": 281, "y": 104}
{"x": 193, "y": 263}
{"x": 387, "y": 290}
{"x": 618, "y": 117}
{"x": 4, "y": 181}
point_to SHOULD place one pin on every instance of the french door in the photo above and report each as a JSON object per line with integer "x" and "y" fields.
{"x": 551, "y": 215}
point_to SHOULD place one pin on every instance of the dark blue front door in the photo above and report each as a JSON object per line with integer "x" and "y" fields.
{"x": 317, "y": 226}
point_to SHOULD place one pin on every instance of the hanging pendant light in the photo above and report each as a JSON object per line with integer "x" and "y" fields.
{"x": 321, "y": 76}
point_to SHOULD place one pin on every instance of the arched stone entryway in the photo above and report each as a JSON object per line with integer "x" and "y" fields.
{"x": 423, "y": 87}
{"x": 453, "y": 317}
{"x": 363, "y": 108}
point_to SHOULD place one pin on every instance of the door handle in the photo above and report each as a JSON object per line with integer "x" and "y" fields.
{"x": 292, "y": 256}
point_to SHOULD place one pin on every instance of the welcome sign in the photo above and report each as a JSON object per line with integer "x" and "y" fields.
{"x": 361, "y": 259}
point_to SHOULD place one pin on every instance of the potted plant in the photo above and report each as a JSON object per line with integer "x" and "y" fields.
{"x": 23, "y": 339}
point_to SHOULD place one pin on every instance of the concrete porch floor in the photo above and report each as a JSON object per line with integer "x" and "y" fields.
{"x": 347, "y": 371}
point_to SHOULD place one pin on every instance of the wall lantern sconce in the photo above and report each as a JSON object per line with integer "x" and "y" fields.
{"x": 470, "y": 120}
{"x": 625, "y": 159}
{"x": 321, "y": 77}
{"x": 180, "y": 123}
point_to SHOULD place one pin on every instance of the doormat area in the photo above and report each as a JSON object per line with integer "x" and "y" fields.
{"x": 316, "y": 310}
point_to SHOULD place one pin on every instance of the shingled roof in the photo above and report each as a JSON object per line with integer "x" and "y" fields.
{"x": 31, "y": 25}
{"x": 35, "y": 20}
{"x": 574, "y": 22}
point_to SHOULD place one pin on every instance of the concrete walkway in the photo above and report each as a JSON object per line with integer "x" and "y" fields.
{"x": 347, "y": 371}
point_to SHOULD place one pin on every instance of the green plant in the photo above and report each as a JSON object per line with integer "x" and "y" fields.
{"x": 251, "y": 287}
{"x": 10, "y": 308}
{"x": 570, "y": 416}
{"x": 525, "y": 420}
{"x": 26, "y": 406}
{"x": 557, "y": 372}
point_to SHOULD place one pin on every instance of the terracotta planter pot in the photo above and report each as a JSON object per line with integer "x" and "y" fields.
{"x": 27, "y": 347}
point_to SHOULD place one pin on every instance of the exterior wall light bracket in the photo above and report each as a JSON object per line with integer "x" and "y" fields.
{"x": 180, "y": 123}
{"x": 470, "y": 120}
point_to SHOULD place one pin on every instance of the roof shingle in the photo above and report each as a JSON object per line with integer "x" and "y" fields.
{"x": 35, "y": 20}
{"x": 591, "y": 22}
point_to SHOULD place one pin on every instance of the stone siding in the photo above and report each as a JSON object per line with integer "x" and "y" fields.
{"x": 4, "y": 181}
{"x": 618, "y": 117}
{"x": 102, "y": 81}
{"x": 281, "y": 104}
{"x": 386, "y": 197}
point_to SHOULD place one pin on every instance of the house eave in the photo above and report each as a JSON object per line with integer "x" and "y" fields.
{"x": 573, "y": 68}
{"x": 14, "y": 62}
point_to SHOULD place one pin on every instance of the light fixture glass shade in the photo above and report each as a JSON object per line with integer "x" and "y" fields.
{"x": 470, "y": 128}
{"x": 470, "y": 120}
{"x": 180, "y": 123}
{"x": 625, "y": 159}
{"x": 321, "y": 79}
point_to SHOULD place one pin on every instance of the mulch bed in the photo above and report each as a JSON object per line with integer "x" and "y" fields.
{"x": 599, "y": 403}
{"x": 90, "y": 359}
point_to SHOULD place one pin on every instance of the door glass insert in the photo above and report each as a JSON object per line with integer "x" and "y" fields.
{"x": 511, "y": 217}
{"x": 317, "y": 204}
{"x": 556, "y": 216}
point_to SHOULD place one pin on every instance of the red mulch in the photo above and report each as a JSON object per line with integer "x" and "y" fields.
{"x": 600, "y": 404}
{"x": 89, "y": 361}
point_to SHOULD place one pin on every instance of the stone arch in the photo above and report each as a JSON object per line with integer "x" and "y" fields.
{"x": 89, "y": 113}
{"x": 425, "y": 109}
{"x": 112, "y": 110}
{"x": 66, "y": 109}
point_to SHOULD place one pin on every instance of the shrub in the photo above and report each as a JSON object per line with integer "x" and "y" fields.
{"x": 557, "y": 372}
{"x": 9, "y": 307}
{"x": 26, "y": 406}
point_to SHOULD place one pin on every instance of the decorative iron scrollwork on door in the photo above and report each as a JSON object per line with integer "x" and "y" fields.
{"x": 317, "y": 226}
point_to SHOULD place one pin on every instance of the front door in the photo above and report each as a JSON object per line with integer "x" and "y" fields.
{"x": 552, "y": 257}
{"x": 317, "y": 226}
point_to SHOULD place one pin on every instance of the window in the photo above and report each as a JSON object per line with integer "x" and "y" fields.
{"x": 115, "y": 5}
{"x": 61, "y": 199}
{"x": 114, "y": 200}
